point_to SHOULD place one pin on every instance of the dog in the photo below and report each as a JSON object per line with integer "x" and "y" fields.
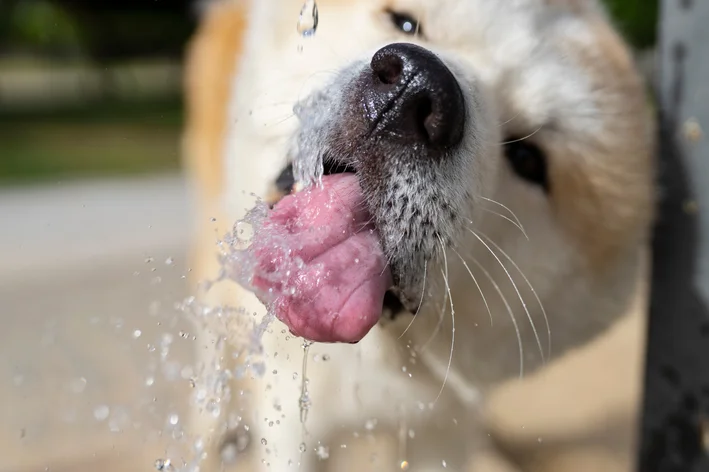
{"x": 502, "y": 154}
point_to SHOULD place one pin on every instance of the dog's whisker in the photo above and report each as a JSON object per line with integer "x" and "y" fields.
{"x": 386, "y": 266}
{"x": 439, "y": 324}
{"x": 509, "y": 311}
{"x": 423, "y": 291}
{"x": 534, "y": 292}
{"x": 276, "y": 123}
{"x": 524, "y": 233}
{"x": 465, "y": 264}
{"x": 270, "y": 105}
{"x": 519, "y": 295}
{"x": 510, "y": 120}
{"x": 304, "y": 82}
{"x": 450, "y": 297}
{"x": 523, "y": 138}
{"x": 519, "y": 223}
{"x": 281, "y": 76}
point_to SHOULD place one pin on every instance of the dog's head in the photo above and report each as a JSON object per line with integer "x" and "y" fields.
{"x": 463, "y": 121}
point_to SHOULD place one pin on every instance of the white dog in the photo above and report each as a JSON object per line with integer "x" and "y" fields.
{"x": 498, "y": 155}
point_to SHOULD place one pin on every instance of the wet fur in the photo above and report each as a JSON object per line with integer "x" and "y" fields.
{"x": 552, "y": 70}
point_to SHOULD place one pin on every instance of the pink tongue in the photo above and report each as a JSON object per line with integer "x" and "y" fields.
{"x": 319, "y": 263}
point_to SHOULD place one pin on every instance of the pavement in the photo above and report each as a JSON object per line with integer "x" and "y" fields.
{"x": 89, "y": 275}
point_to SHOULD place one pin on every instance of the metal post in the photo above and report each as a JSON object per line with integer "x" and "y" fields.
{"x": 675, "y": 430}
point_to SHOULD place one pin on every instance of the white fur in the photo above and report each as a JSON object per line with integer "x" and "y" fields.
{"x": 509, "y": 49}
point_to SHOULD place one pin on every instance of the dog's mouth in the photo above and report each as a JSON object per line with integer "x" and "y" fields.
{"x": 392, "y": 305}
{"x": 285, "y": 185}
{"x": 319, "y": 262}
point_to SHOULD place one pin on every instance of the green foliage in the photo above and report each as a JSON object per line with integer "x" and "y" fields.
{"x": 43, "y": 24}
{"x": 637, "y": 19}
{"x": 130, "y": 136}
{"x": 106, "y": 139}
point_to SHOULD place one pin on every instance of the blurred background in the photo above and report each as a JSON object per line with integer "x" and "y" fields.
{"x": 95, "y": 225}
{"x": 92, "y": 89}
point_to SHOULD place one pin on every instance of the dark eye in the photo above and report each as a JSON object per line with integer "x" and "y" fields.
{"x": 527, "y": 161}
{"x": 405, "y": 23}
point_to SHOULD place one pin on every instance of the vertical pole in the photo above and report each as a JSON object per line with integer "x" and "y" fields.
{"x": 675, "y": 427}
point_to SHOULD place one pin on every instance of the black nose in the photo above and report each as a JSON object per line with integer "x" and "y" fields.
{"x": 414, "y": 96}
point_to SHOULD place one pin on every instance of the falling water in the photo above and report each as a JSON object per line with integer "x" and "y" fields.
{"x": 308, "y": 19}
{"x": 304, "y": 400}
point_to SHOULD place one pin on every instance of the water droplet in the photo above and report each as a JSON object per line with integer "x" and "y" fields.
{"x": 308, "y": 19}
{"x": 101, "y": 412}
{"x": 404, "y": 465}
{"x": 213, "y": 408}
{"x": 78, "y": 385}
{"x": 174, "y": 419}
{"x": 443, "y": 463}
{"x": 302, "y": 447}
{"x": 264, "y": 441}
{"x": 323, "y": 452}
{"x": 137, "y": 333}
{"x": 163, "y": 464}
{"x": 169, "y": 261}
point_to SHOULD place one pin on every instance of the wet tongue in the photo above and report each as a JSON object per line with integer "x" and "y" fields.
{"x": 319, "y": 263}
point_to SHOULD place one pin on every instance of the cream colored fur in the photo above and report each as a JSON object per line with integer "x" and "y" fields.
{"x": 572, "y": 86}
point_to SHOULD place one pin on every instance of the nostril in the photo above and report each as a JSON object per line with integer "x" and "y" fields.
{"x": 423, "y": 112}
{"x": 411, "y": 95}
{"x": 388, "y": 69}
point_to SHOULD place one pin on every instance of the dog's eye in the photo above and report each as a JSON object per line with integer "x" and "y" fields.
{"x": 527, "y": 161}
{"x": 405, "y": 23}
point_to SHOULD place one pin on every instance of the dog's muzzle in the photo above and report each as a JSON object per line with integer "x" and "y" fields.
{"x": 409, "y": 95}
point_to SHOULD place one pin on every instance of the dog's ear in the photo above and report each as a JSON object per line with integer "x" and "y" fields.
{"x": 210, "y": 66}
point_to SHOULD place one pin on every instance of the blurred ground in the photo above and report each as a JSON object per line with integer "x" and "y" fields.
{"x": 89, "y": 92}
{"x": 69, "y": 121}
{"x": 74, "y": 287}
